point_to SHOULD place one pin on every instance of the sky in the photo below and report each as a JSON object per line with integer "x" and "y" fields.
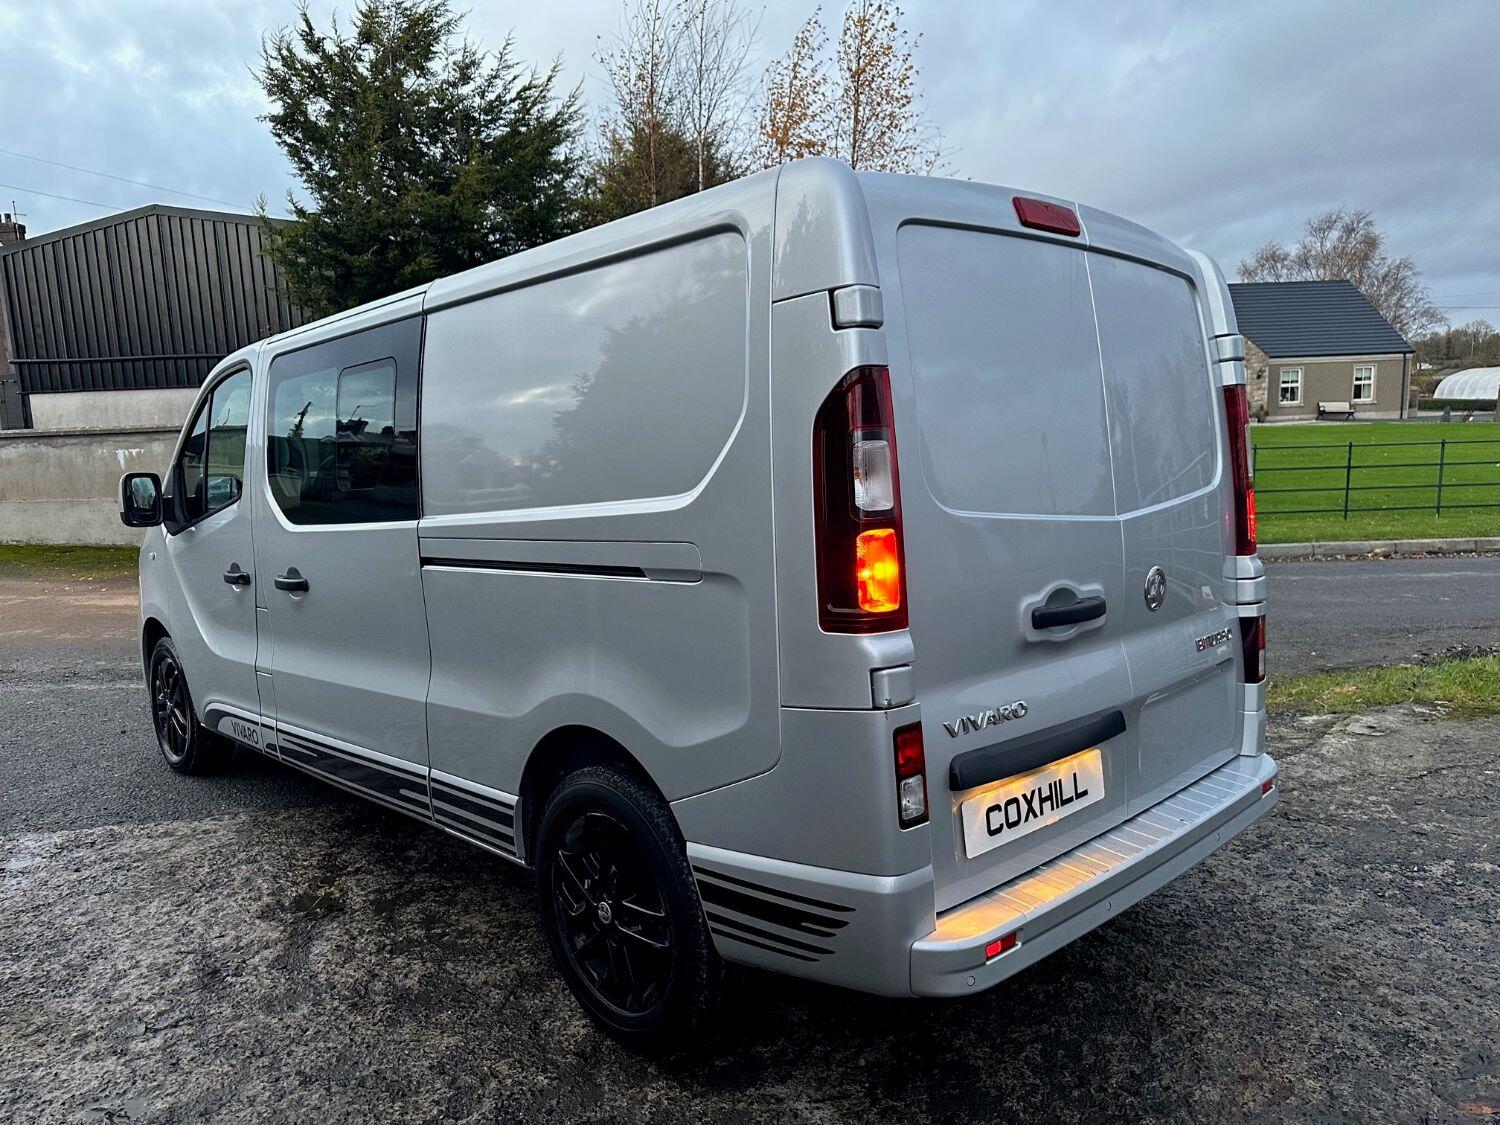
{"x": 1221, "y": 125}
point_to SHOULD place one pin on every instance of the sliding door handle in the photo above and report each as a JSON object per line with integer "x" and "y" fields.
{"x": 1074, "y": 613}
{"x": 292, "y": 581}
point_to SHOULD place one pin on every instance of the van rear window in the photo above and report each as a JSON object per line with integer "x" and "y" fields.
{"x": 622, "y": 382}
{"x": 1010, "y": 401}
{"x": 1162, "y": 420}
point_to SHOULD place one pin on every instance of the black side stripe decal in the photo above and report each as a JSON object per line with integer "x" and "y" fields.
{"x": 764, "y": 935}
{"x": 778, "y": 914}
{"x": 821, "y": 904}
{"x": 475, "y": 805}
{"x": 410, "y": 773}
{"x": 469, "y": 822}
{"x": 473, "y": 815}
{"x": 589, "y": 570}
{"x": 759, "y": 944}
{"x": 358, "y": 790}
{"x": 406, "y": 790}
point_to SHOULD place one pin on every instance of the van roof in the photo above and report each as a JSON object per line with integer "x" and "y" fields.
{"x": 821, "y": 210}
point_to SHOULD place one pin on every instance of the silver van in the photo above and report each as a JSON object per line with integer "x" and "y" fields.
{"x": 848, "y": 575}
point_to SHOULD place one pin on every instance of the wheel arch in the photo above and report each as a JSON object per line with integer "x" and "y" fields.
{"x": 152, "y": 631}
{"x": 559, "y": 753}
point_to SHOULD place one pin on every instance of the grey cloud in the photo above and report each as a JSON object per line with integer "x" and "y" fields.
{"x": 1220, "y": 124}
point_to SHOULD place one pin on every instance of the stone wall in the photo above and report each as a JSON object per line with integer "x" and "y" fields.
{"x": 60, "y": 487}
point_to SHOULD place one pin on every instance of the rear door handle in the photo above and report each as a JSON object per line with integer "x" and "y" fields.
{"x": 235, "y": 576}
{"x": 292, "y": 581}
{"x": 1074, "y": 613}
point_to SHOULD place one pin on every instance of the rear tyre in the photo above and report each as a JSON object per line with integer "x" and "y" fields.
{"x": 184, "y": 744}
{"x": 621, "y": 910}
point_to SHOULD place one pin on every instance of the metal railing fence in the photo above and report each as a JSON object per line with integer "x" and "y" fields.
{"x": 1353, "y": 469}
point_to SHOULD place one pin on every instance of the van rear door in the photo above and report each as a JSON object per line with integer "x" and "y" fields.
{"x": 1008, "y": 500}
{"x": 1068, "y": 436}
{"x": 1167, "y": 437}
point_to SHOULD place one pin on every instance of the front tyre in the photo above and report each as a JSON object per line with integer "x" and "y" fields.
{"x": 185, "y": 745}
{"x": 621, "y": 910}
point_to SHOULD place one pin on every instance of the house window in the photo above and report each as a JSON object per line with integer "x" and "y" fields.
{"x": 1364, "y": 384}
{"x": 1291, "y": 386}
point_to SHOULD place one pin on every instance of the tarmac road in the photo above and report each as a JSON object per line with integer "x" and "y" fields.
{"x": 1379, "y": 611}
{"x": 70, "y": 678}
{"x": 255, "y": 946}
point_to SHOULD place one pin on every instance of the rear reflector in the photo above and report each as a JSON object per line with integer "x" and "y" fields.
{"x": 1237, "y": 417}
{"x": 1267, "y": 786}
{"x": 1041, "y": 215}
{"x": 911, "y": 776}
{"x": 1253, "y": 648}
{"x": 1001, "y": 945}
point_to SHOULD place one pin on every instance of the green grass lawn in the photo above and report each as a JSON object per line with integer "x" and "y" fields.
{"x": 1382, "y": 476}
{"x": 79, "y": 563}
{"x": 1461, "y": 687}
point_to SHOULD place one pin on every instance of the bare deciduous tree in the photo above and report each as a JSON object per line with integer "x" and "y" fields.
{"x": 716, "y": 39}
{"x": 879, "y": 122}
{"x": 1343, "y": 244}
{"x": 797, "y": 105}
{"x": 863, "y": 106}
{"x": 676, "y": 74}
{"x": 1475, "y": 344}
{"x": 640, "y": 66}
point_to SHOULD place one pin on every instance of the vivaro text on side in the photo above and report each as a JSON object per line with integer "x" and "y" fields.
{"x": 843, "y": 574}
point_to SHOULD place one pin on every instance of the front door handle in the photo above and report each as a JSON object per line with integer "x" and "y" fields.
{"x": 292, "y": 581}
{"x": 235, "y": 576}
{"x": 1074, "y": 613}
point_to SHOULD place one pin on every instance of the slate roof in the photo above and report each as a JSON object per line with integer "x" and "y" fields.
{"x": 1301, "y": 319}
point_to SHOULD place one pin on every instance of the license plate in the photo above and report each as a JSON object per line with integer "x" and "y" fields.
{"x": 1022, "y": 804}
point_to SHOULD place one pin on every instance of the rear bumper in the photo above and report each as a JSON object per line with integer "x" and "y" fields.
{"x": 876, "y": 933}
{"x": 1070, "y": 895}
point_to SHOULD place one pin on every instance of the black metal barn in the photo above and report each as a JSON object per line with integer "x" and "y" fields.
{"x": 146, "y": 299}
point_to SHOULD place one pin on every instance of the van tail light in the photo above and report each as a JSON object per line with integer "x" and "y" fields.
{"x": 1253, "y": 648}
{"x": 911, "y": 776}
{"x": 857, "y": 507}
{"x": 1237, "y": 413}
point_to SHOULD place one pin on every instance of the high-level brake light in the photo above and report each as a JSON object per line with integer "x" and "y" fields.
{"x": 1041, "y": 215}
{"x": 857, "y": 507}
{"x": 1237, "y": 415}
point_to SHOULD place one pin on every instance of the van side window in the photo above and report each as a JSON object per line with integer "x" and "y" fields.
{"x": 190, "y": 466}
{"x": 211, "y": 467}
{"x": 229, "y": 418}
{"x": 341, "y": 438}
{"x": 365, "y": 421}
{"x": 620, "y": 382}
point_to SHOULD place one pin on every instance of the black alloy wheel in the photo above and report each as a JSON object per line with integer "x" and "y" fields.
{"x": 621, "y": 910}
{"x": 171, "y": 709}
{"x": 612, "y": 914}
{"x": 185, "y": 745}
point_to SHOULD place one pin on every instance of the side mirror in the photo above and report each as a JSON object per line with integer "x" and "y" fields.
{"x": 140, "y": 500}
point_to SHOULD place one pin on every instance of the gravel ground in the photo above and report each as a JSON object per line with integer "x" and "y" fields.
{"x": 286, "y": 953}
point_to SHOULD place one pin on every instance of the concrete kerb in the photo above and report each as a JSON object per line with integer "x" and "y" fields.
{"x": 1379, "y": 548}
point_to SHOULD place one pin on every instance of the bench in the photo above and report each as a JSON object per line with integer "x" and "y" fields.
{"x": 1329, "y": 409}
